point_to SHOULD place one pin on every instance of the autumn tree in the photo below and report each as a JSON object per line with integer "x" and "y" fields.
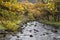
{"x": 0, "y": 1}
{"x": 9, "y": 0}
{"x": 57, "y": 10}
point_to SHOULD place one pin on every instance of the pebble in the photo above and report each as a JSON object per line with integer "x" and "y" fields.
{"x": 18, "y": 36}
{"x": 47, "y": 33}
{"x": 17, "y": 39}
{"x": 43, "y": 34}
{"x": 35, "y": 25}
{"x": 36, "y": 30}
{"x": 30, "y": 30}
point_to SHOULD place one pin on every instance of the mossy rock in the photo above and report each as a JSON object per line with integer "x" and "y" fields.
{"x": 54, "y": 30}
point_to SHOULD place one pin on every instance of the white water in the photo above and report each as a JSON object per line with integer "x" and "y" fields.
{"x": 37, "y": 31}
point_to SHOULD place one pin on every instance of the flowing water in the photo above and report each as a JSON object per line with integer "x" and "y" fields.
{"x": 35, "y": 31}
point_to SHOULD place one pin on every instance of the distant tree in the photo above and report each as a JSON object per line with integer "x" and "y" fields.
{"x": 57, "y": 10}
{"x": 26, "y": 0}
{"x": 38, "y": 0}
{"x": 9, "y": 0}
{"x": 42, "y": 1}
{"x": 13, "y": 0}
{"x": 0, "y": 0}
{"x": 5, "y": 0}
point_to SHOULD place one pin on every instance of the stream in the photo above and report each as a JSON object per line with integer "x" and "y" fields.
{"x": 35, "y": 31}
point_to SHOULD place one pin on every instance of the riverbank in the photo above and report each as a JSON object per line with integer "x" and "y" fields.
{"x": 52, "y": 23}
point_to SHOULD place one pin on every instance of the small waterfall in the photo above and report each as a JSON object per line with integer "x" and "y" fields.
{"x": 35, "y": 31}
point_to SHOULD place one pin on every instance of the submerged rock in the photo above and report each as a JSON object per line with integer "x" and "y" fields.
{"x": 36, "y": 30}
{"x": 54, "y": 30}
{"x": 31, "y": 35}
{"x": 18, "y": 36}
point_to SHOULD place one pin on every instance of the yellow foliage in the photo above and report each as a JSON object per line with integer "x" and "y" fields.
{"x": 17, "y": 7}
{"x": 11, "y": 25}
{"x": 0, "y": 1}
{"x": 51, "y": 6}
{"x": 13, "y": 6}
{"x": 7, "y": 4}
{"x": 14, "y": 18}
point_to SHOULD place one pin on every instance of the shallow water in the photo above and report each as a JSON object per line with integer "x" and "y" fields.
{"x": 35, "y": 31}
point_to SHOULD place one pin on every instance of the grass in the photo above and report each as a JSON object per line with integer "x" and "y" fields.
{"x": 2, "y": 27}
{"x": 53, "y": 23}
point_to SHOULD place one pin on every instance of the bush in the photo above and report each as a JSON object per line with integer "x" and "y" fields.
{"x": 9, "y": 19}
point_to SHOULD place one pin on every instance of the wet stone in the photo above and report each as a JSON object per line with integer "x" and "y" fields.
{"x": 21, "y": 26}
{"x": 54, "y": 38}
{"x": 32, "y": 24}
{"x": 18, "y": 37}
{"x": 2, "y": 38}
{"x": 36, "y": 30}
{"x": 35, "y": 25}
{"x": 47, "y": 33}
{"x": 35, "y": 34}
{"x": 30, "y": 30}
{"x": 9, "y": 38}
{"x": 29, "y": 25}
{"x": 31, "y": 35}
{"x": 43, "y": 34}
{"x": 40, "y": 35}
{"x": 13, "y": 35}
{"x": 25, "y": 25}
{"x": 43, "y": 25}
{"x": 54, "y": 30}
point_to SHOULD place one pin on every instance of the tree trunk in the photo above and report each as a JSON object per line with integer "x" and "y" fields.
{"x": 55, "y": 17}
{"x": 58, "y": 18}
{"x": 47, "y": 17}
